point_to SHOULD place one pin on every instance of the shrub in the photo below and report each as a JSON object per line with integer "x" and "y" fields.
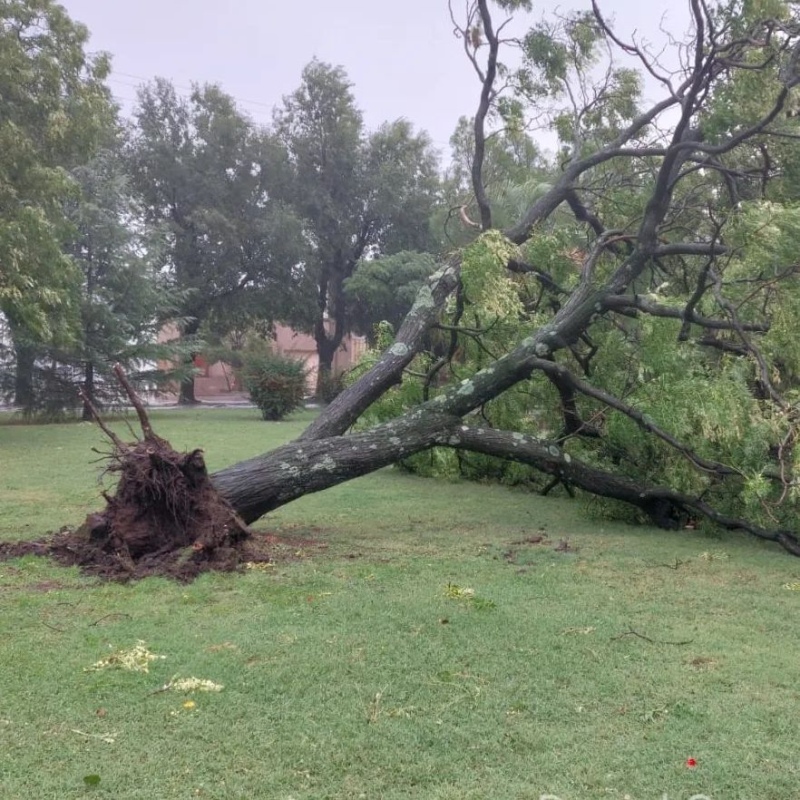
{"x": 276, "y": 383}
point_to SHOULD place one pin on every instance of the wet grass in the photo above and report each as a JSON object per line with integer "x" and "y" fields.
{"x": 421, "y": 639}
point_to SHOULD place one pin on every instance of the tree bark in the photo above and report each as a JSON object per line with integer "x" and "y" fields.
{"x": 186, "y": 393}
{"x": 266, "y": 482}
{"x": 88, "y": 391}
{"x": 24, "y": 392}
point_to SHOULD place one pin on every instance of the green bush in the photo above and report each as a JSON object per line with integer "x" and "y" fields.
{"x": 276, "y": 383}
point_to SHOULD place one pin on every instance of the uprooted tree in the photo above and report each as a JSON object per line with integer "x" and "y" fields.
{"x": 632, "y": 335}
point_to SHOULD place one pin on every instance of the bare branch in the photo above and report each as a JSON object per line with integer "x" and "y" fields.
{"x": 120, "y": 446}
{"x": 641, "y": 303}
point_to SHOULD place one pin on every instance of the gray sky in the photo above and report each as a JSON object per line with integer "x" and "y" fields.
{"x": 402, "y": 57}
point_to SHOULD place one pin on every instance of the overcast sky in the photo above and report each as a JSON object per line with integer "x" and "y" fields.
{"x": 401, "y": 55}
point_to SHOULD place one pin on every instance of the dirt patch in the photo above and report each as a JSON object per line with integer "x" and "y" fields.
{"x": 71, "y": 548}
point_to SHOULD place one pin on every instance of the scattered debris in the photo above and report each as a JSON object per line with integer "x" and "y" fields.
{"x": 581, "y": 631}
{"x": 455, "y": 592}
{"x": 632, "y": 632}
{"x": 565, "y": 547}
{"x": 190, "y": 685}
{"x": 108, "y": 738}
{"x": 466, "y": 594}
{"x": 716, "y": 555}
{"x": 137, "y": 659}
{"x": 531, "y": 540}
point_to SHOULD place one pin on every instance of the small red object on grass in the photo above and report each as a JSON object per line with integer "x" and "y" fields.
{"x": 691, "y": 763}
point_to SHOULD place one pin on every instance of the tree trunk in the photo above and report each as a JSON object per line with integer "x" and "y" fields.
{"x": 327, "y": 345}
{"x": 325, "y": 352}
{"x": 261, "y": 484}
{"x": 186, "y": 394}
{"x": 332, "y": 310}
{"x": 24, "y": 393}
{"x": 88, "y": 391}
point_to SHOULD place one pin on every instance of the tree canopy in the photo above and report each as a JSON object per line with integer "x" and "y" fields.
{"x": 358, "y": 194}
{"x": 54, "y": 111}
{"x": 211, "y": 177}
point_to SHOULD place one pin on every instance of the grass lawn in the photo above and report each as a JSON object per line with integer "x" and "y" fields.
{"x": 413, "y": 646}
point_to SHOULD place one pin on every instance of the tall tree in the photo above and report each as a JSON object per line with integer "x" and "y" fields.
{"x": 54, "y": 112}
{"x": 211, "y": 178}
{"x": 126, "y": 291}
{"x": 358, "y": 194}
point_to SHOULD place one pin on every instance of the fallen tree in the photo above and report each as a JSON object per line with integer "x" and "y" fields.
{"x": 645, "y": 343}
{"x": 689, "y": 176}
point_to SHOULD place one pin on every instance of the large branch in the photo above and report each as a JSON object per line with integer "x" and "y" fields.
{"x": 479, "y": 124}
{"x": 266, "y": 482}
{"x": 564, "y": 378}
{"x": 348, "y": 406}
{"x": 640, "y": 303}
{"x": 657, "y": 501}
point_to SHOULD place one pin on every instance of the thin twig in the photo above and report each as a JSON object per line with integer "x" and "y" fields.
{"x": 118, "y": 443}
{"x": 108, "y": 616}
{"x": 632, "y": 632}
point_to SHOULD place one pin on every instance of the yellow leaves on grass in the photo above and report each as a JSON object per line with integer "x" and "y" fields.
{"x": 136, "y": 659}
{"x": 191, "y": 685}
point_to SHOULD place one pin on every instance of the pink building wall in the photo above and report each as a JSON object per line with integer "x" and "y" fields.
{"x": 219, "y": 378}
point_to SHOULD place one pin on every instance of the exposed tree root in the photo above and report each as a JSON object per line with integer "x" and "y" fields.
{"x": 165, "y": 516}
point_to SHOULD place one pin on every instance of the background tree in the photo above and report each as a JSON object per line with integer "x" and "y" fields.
{"x": 383, "y": 289}
{"x": 209, "y": 176}
{"x": 126, "y": 291}
{"x": 358, "y": 194}
{"x": 54, "y": 112}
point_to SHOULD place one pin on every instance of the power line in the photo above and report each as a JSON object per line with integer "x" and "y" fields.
{"x": 185, "y": 88}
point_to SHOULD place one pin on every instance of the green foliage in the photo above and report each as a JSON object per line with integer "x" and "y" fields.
{"x": 384, "y": 289}
{"x": 360, "y": 194}
{"x": 54, "y": 111}
{"x": 123, "y": 298}
{"x": 276, "y": 383}
{"x": 556, "y": 49}
{"x": 494, "y": 316}
{"x": 210, "y": 178}
{"x": 514, "y": 172}
{"x": 485, "y": 276}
